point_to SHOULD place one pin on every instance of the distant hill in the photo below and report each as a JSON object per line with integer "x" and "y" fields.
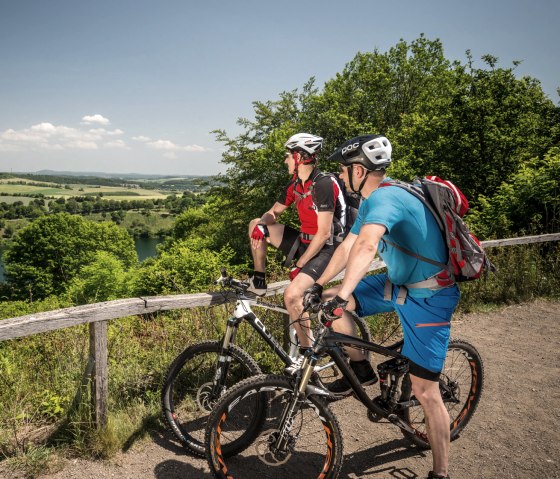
{"x": 128, "y": 176}
{"x": 172, "y": 183}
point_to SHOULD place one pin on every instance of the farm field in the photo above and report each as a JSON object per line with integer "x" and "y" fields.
{"x": 109, "y": 192}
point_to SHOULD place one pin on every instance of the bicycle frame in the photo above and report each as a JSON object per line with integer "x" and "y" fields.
{"x": 243, "y": 312}
{"x": 331, "y": 343}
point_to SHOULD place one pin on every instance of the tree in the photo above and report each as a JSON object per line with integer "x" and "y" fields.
{"x": 46, "y": 255}
{"x": 104, "y": 279}
{"x": 475, "y": 126}
{"x": 186, "y": 267}
{"x": 528, "y": 204}
{"x": 481, "y": 132}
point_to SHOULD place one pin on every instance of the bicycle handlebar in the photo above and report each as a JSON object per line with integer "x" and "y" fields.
{"x": 228, "y": 281}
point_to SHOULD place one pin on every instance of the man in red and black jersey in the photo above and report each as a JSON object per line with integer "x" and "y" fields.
{"x": 321, "y": 208}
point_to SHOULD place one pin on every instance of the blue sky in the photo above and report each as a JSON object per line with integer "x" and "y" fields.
{"x": 137, "y": 86}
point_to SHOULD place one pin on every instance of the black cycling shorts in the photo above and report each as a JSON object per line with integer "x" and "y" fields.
{"x": 317, "y": 264}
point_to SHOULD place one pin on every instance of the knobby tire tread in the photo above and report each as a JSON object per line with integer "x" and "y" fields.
{"x": 187, "y": 441}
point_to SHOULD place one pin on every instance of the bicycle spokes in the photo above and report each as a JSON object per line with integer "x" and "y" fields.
{"x": 293, "y": 441}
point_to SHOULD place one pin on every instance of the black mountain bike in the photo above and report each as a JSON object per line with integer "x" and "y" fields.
{"x": 203, "y": 372}
{"x": 295, "y": 434}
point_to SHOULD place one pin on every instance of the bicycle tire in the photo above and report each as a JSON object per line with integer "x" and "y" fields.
{"x": 314, "y": 438}
{"x": 462, "y": 375}
{"x": 184, "y": 384}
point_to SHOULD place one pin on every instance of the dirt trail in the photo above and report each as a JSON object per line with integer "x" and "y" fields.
{"x": 514, "y": 434}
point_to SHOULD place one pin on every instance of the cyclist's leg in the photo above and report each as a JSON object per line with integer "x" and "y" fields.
{"x": 437, "y": 420}
{"x": 426, "y": 328}
{"x": 293, "y": 296}
{"x": 259, "y": 253}
{"x": 366, "y": 300}
{"x": 293, "y": 299}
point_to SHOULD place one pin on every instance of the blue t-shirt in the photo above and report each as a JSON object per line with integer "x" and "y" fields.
{"x": 410, "y": 225}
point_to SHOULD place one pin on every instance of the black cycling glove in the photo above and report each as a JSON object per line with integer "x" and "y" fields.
{"x": 312, "y": 297}
{"x": 333, "y": 309}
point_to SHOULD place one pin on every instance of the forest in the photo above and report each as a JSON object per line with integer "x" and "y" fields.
{"x": 475, "y": 122}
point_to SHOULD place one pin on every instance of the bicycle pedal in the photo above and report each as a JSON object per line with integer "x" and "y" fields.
{"x": 373, "y": 417}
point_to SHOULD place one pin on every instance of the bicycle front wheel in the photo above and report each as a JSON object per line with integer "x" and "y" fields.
{"x": 304, "y": 442}
{"x": 460, "y": 384}
{"x": 188, "y": 393}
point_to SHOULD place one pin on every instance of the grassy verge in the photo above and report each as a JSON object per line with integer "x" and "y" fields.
{"x": 44, "y": 399}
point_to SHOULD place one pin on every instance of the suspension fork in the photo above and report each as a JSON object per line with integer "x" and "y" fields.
{"x": 287, "y": 421}
{"x": 224, "y": 360}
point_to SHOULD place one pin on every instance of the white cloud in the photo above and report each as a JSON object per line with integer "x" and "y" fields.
{"x": 170, "y": 146}
{"x": 103, "y": 131}
{"x": 46, "y": 136}
{"x": 163, "y": 145}
{"x": 117, "y": 144}
{"x": 97, "y": 118}
{"x": 82, "y": 145}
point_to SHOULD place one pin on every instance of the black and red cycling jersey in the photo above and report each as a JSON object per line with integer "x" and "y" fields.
{"x": 320, "y": 192}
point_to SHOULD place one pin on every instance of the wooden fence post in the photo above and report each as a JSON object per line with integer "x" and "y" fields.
{"x": 99, "y": 384}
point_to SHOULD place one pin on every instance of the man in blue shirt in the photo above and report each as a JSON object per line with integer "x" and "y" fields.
{"x": 423, "y": 295}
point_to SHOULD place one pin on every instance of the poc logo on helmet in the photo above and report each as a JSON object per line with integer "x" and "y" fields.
{"x": 350, "y": 147}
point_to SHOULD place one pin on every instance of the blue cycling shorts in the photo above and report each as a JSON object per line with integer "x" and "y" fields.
{"x": 426, "y": 322}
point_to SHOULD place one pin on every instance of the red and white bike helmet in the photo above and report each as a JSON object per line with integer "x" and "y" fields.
{"x": 306, "y": 145}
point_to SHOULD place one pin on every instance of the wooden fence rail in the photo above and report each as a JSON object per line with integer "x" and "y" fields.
{"x": 97, "y": 315}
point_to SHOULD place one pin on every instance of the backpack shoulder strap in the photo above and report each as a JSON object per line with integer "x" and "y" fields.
{"x": 416, "y": 190}
{"x": 415, "y": 255}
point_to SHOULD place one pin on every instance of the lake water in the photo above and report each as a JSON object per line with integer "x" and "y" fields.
{"x": 145, "y": 247}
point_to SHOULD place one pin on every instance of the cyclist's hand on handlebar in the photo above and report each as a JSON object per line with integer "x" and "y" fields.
{"x": 312, "y": 298}
{"x": 333, "y": 309}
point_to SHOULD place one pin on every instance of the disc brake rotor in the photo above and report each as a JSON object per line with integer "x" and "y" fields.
{"x": 266, "y": 453}
{"x": 204, "y": 398}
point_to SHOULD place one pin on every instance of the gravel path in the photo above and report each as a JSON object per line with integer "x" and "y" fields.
{"x": 515, "y": 432}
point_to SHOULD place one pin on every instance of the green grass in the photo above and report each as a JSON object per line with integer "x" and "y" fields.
{"x": 12, "y": 199}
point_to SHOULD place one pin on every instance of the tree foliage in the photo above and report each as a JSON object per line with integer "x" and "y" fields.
{"x": 528, "y": 204}
{"x": 104, "y": 279}
{"x": 45, "y": 256}
{"x": 185, "y": 267}
{"x": 478, "y": 126}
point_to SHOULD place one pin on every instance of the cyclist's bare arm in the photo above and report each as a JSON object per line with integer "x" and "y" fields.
{"x": 361, "y": 255}
{"x": 324, "y": 225}
{"x": 271, "y": 216}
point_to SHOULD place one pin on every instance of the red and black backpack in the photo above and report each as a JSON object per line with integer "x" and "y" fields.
{"x": 448, "y": 205}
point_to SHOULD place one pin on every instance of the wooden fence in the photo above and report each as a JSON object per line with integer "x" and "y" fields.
{"x": 97, "y": 315}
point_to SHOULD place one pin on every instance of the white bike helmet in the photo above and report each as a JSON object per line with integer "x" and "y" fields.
{"x": 305, "y": 143}
{"x": 373, "y": 152}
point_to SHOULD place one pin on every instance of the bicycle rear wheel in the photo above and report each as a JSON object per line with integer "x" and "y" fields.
{"x": 187, "y": 397}
{"x": 313, "y": 447}
{"x": 460, "y": 383}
